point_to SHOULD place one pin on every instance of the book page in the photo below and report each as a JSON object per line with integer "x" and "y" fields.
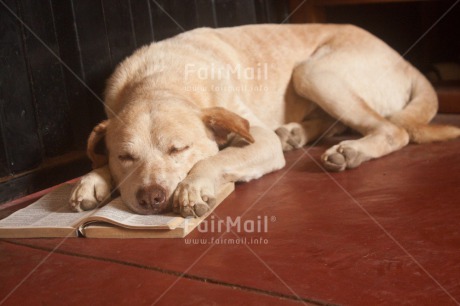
{"x": 51, "y": 216}
{"x": 51, "y": 211}
{"x": 183, "y": 227}
{"x": 118, "y": 213}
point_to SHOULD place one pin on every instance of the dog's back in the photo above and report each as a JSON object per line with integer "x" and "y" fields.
{"x": 249, "y": 69}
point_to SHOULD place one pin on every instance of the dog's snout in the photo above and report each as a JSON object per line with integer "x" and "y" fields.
{"x": 151, "y": 199}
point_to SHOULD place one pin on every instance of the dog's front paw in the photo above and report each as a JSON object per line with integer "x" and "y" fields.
{"x": 91, "y": 191}
{"x": 291, "y": 136}
{"x": 194, "y": 197}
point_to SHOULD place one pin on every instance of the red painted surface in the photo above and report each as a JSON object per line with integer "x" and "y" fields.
{"x": 384, "y": 233}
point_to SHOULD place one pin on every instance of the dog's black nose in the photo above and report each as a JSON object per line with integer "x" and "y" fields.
{"x": 151, "y": 198}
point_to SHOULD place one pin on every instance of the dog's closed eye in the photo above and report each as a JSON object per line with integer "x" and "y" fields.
{"x": 127, "y": 158}
{"x": 176, "y": 150}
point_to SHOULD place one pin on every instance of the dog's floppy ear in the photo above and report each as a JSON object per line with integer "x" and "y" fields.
{"x": 96, "y": 145}
{"x": 223, "y": 122}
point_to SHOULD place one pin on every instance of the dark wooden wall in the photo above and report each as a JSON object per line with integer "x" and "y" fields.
{"x": 54, "y": 58}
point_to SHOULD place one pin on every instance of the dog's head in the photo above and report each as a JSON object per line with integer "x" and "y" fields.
{"x": 151, "y": 147}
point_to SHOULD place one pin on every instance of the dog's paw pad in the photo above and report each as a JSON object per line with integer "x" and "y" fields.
{"x": 90, "y": 192}
{"x": 290, "y": 138}
{"x": 340, "y": 157}
{"x": 187, "y": 211}
{"x": 84, "y": 204}
{"x": 194, "y": 197}
{"x": 83, "y": 198}
{"x": 201, "y": 209}
{"x": 335, "y": 162}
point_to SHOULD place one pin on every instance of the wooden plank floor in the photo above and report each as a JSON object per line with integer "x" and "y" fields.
{"x": 385, "y": 233}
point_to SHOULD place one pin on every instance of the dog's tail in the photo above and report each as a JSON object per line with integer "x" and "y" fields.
{"x": 418, "y": 113}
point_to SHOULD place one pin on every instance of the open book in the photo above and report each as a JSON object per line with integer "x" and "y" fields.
{"x": 51, "y": 216}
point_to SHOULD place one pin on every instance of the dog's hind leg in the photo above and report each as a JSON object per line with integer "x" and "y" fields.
{"x": 295, "y": 135}
{"x": 332, "y": 93}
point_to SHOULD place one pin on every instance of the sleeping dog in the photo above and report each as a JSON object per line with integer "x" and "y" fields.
{"x": 210, "y": 106}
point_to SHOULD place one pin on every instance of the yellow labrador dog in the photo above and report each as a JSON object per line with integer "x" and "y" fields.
{"x": 216, "y": 105}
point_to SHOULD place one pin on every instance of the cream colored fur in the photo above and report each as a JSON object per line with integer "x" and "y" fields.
{"x": 259, "y": 90}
